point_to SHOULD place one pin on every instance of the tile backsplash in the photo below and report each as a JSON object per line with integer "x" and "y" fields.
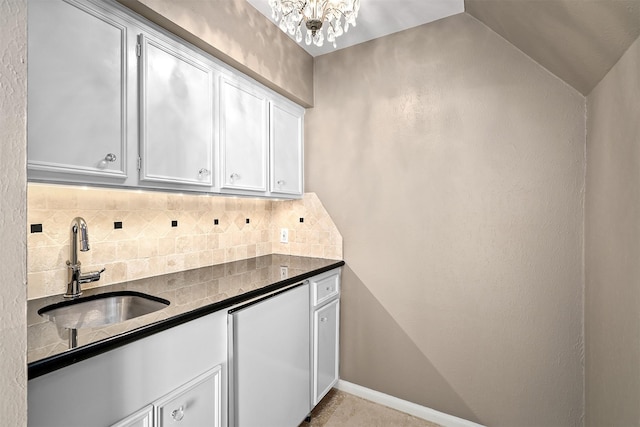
{"x": 137, "y": 234}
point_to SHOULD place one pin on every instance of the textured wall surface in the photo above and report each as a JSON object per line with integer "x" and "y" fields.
{"x": 453, "y": 166}
{"x": 147, "y": 245}
{"x": 238, "y": 34}
{"x": 13, "y": 145}
{"x": 612, "y": 247}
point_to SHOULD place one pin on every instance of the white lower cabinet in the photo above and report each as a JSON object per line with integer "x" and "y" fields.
{"x": 141, "y": 418}
{"x": 195, "y": 404}
{"x": 181, "y": 369}
{"x": 325, "y": 306}
{"x": 282, "y": 351}
{"x": 326, "y": 325}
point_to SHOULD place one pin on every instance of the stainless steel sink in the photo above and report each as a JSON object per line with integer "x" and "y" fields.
{"x": 102, "y": 309}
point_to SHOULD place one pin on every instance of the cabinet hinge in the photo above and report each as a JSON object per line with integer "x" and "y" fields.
{"x": 138, "y": 49}
{"x": 139, "y": 163}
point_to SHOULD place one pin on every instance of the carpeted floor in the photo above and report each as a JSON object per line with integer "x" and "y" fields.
{"x": 340, "y": 409}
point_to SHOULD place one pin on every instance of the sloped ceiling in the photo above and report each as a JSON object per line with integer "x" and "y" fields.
{"x": 378, "y": 18}
{"x": 577, "y": 40}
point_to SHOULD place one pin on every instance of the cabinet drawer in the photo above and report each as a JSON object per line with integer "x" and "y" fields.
{"x": 195, "y": 404}
{"x": 325, "y": 287}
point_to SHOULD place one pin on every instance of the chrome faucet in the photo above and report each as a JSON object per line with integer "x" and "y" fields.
{"x": 75, "y": 276}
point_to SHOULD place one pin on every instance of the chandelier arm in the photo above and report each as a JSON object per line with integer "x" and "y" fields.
{"x": 292, "y": 9}
{"x": 335, "y": 10}
{"x": 302, "y": 8}
{"x": 342, "y": 13}
{"x": 326, "y": 9}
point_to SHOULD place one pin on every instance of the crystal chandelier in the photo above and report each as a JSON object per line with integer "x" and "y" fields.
{"x": 333, "y": 15}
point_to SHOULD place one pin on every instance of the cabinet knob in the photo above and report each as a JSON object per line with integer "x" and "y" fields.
{"x": 234, "y": 176}
{"x": 323, "y": 319}
{"x": 178, "y": 414}
{"x": 328, "y": 288}
{"x": 281, "y": 182}
{"x": 109, "y": 158}
{"x": 203, "y": 172}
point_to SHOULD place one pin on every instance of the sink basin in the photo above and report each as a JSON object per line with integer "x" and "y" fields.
{"x": 102, "y": 309}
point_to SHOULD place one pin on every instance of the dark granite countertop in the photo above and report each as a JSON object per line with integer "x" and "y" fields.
{"x": 192, "y": 294}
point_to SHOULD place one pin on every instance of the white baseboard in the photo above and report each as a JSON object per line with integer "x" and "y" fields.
{"x": 414, "y": 409}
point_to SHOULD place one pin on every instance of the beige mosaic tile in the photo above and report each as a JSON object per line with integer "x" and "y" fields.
{"x": 147, "y": 245}
{"x": 316, "y": 236}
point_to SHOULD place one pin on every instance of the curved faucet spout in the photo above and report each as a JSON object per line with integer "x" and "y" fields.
{"x": 75, "y": 277}
{"x": 78, "y": 224}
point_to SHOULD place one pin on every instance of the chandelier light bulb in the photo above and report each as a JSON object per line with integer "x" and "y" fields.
{"x": 317, "y": 16}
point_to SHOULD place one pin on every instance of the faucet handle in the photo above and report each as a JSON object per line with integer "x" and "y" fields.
{"x": 92, "y": 276}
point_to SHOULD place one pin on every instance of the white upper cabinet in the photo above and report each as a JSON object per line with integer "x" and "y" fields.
{"x": 115, "y": 100}
{"x": 243, "y": 136}
{"x": 77, "y": 91}
{"x": 286, "y": 148}
{"x": 176, "y": 115}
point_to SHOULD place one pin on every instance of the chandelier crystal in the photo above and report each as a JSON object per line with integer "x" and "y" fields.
{"x": 316, "y": 16}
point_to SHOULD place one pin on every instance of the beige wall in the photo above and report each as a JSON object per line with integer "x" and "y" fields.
{"x": 238, "y": 34}
{"x": 612, "y": 312}
{"x": 147, "y": 245}
{"x": 453, "y": 166}
{"x": 13, "y": 296}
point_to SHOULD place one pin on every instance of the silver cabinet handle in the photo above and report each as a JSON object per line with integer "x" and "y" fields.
{"x": 328, "y": 288}
{"x": 281, "y": 182}
{"x": 323, "y": 319}
{"x": 178, "y": 414}
{"x": 203, "y": 172}
{"x": 109, "y": 158}
{"x": 234, "y": 176}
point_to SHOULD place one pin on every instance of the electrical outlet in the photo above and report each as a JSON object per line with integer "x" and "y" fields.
{"x": 284, "y": 272}
{"x": 284, "y": 235}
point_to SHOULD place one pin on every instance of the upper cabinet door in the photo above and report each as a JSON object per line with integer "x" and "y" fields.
{"x": 77, "y": 90}
{"x": 243, "y": 136}
{"x": 286, "y": 149}
{"x": 176, "y": 115}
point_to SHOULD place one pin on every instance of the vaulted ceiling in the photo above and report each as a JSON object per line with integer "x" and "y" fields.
{"x": 577, "y": 40}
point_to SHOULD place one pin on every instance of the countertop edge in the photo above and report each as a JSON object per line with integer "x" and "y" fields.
{"x": 49, "y": 364}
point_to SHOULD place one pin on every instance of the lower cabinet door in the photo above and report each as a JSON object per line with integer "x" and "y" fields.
{"x": 326, "y": 324}
{"x": 142, "y": 418}
{"x": 195, "y": 404}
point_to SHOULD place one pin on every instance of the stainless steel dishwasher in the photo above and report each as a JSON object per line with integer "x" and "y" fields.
{"x": 269, "y": 360}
